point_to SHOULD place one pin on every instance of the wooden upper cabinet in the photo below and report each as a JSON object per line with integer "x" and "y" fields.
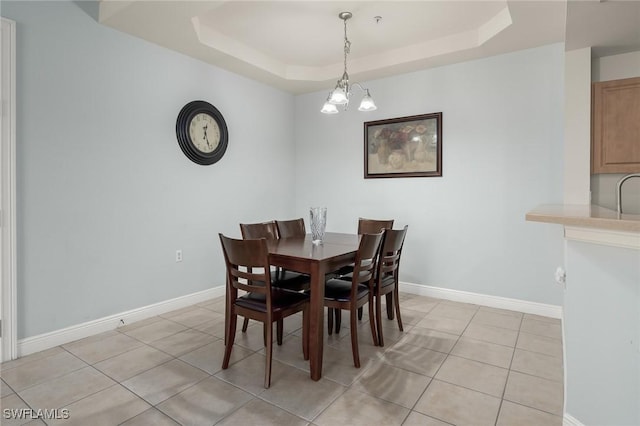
{"x": 615, "y": 126}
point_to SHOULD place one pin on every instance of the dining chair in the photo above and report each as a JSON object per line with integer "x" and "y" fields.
{"x": 365, "y": 226}
{"x": 340, "y": 294}
{"x": 267, "y": 230}
{"x": 291, "y": 228}
{"x": 288, "y": 280}
{"x": 386, "y": 277}
{"x": 248, "y": 269}
{"x": 373, "y": 226}
{"x": 283, "y": 279}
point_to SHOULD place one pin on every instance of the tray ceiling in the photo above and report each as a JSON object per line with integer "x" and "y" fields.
{"x": 298, "y": 45}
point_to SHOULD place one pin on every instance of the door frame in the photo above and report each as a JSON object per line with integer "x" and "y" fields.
{"x": 9, "y": 346}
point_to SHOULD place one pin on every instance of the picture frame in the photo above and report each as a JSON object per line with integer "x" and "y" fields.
{"x": 403, "y": 147}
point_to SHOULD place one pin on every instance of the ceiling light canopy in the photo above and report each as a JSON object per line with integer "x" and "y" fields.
{"x": 342, "y": 92}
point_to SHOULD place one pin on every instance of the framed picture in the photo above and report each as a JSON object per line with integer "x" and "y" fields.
{"x": 403, "y": 147}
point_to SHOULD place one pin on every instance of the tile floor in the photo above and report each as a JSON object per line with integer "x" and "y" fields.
{"x": 455, "y": 364}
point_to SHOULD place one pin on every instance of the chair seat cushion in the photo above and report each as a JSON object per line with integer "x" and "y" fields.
{"x": 345, "y": 270}
{"x": 289, "y": 280}
{"x": 387, "y": 280}
{"x": 349, "y": 276}
{"x": 280, "y": 300}
{"x": 340, "y": 290}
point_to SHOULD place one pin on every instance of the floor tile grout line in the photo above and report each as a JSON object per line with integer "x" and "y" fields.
{"x": 21, "y": 399}
{"x": 230, "y": 413}
{"x": 27, "y": 362}
{"x": 105, "y": 359}
{"x": 346, "y": 388}
{"x": 561, "y": 380}
{"x": 10, "y": 387}
{"x": 436, "y": 372}
{"x": 461, "y": 386}
{"x": 96, "y": 392}
{"x": 163, "y": 337}
{"x": 464, "y": 387}
{"x": 171, "y": 396}
{"x": 533, "y": 408}
{"x": 57, "y": 376}
{"x": 537, "y": 377}
{"x": 383, "y": 399}
{"x": 539, "y": 352}
{"x": 443, "y": 361}
{"x": 182, "y": 354}
{"x": 121, "y": 383}
{"x": 76, "y": 400}
{"x": 506, "y": 382}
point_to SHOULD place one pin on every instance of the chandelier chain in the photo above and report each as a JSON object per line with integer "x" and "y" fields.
{"x": 347, "y": 46}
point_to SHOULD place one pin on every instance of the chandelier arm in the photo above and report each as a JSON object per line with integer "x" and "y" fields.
{"x": 355, "y": 83}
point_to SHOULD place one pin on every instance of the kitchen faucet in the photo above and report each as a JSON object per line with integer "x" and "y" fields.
{"x": 619, "y": 189}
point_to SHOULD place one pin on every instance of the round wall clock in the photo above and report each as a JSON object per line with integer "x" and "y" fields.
{"x": 202, "y": 132}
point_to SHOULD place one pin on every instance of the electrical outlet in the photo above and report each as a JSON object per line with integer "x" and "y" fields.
{"x": 178, "y": 255}
{"x": 561, "y": 276}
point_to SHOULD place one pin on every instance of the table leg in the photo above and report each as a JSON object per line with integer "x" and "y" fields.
{"x": 316, "y": 316}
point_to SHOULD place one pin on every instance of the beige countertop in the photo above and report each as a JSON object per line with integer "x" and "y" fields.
{"x": 590, "y": 216}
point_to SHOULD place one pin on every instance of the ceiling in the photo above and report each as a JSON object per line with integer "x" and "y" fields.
{"x": 298, "y": 45}
{"x": 609, "y": 27}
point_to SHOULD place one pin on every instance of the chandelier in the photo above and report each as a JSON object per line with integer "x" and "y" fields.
{"x": 342, "y": 92}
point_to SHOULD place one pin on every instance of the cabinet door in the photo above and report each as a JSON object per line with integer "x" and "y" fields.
{"x": 615, "y": 132}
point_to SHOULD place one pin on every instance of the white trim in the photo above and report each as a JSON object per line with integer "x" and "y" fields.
{"x": 8, "y": 288}
{"x": 605, "y": 237}
{"x": 569, "y": 420}
{"x": 525, "y": 306}
{"x": 69, "y": 334}
{"x": 564, "y": 362}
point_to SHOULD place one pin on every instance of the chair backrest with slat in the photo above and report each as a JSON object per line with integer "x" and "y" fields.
{"x": 373, "y": 226}
{"x": 247, "y": 264}
{"x": 366, "y": 261}
{"x": 389, "y": 259}
{"x": 267, "y": 230}
{"x": 291, "y": 228}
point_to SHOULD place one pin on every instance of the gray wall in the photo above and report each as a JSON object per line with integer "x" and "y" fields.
{"x": 105, "y": 196}
{"x": 502, "y": 156}
{"x": 602, "y": 334}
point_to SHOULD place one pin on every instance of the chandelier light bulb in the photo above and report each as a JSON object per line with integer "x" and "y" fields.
{"x": 329, "y": 108}
{"x": 367, "y": 103}
{"x": 338, "y": 96}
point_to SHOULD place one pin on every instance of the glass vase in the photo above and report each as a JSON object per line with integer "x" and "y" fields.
{"x": 318, "y": 223}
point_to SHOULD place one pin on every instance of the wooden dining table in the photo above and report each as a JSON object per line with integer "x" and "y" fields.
{"x": 317, "y": 260}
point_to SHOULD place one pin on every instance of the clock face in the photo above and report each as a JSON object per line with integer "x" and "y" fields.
{"x": 202, "y": 132}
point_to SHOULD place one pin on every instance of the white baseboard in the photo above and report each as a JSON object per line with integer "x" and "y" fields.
{"x": 569, "y": 420}
{"x": 69, "y": 334}
{"x": 527, "y": 307}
